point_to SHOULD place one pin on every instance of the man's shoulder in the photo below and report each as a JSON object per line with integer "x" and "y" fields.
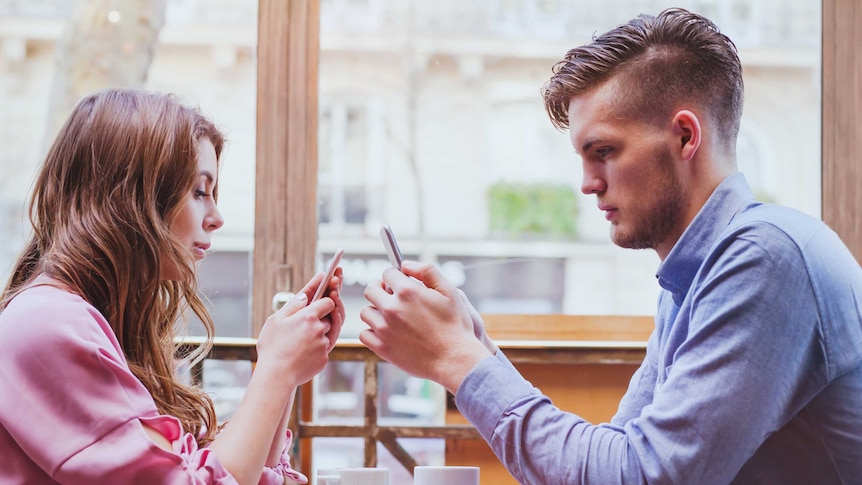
{"x": 787, "y": 233}
{"x": 785, "y": 218}
{"x": 776, "y": 224}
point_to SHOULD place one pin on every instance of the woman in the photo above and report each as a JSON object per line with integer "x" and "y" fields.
{"x": 124, "y": 205}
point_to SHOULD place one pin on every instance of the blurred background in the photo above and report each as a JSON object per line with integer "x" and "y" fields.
{"x": 430, "y": 120}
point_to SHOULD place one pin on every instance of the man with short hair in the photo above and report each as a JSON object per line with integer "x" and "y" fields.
{"x": 754, "y": 371}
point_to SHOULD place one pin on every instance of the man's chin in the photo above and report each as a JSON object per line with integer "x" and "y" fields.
{"x": 628, "y": 241}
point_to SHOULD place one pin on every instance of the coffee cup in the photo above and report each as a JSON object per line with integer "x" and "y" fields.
{"x": 359, "y": 476}
{"x": 446, "y": 475}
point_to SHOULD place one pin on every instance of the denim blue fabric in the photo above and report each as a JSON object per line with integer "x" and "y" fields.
{"x": 753, "y": 374}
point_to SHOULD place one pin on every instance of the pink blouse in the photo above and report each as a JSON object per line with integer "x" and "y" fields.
{"x": 71, "y": 411}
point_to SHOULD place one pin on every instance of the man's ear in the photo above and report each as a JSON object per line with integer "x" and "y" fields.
{"x": 686, "y": 128}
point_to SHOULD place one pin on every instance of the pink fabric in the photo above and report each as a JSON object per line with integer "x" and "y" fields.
{"x": 71, "y": 411}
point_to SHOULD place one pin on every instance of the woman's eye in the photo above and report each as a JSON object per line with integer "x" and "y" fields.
{"x": 201, "y": 193}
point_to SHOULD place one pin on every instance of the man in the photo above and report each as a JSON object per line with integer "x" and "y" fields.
{"x": 754, "y": 371}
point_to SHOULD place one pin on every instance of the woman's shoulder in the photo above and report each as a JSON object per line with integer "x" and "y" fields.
{"x": 45, "y": 301}
{"x": 44, "y": 290}
{"x": 48, "y": 314}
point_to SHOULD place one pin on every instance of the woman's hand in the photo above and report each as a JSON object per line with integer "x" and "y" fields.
{"x": 293, "y": 346}
{"x": 298, "y": 337}
{"x": 337, "y": 315}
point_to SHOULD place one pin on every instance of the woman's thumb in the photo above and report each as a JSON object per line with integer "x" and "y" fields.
{"x": 298, "y": 302}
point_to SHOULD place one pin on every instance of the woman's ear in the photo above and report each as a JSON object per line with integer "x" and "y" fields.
{"x": 686, "y": 128}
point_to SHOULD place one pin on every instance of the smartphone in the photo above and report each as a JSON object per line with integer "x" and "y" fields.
{"x": 330, "y": 271}
{"x": 391, "y": 246}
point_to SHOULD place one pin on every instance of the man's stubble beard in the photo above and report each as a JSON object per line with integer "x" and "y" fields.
{"x": 653, "y": 225}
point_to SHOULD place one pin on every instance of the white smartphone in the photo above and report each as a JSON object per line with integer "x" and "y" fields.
{"x": 330, "y": 271}
{"x": 391, "y": 246}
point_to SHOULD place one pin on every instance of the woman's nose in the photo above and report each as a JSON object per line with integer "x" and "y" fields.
{"x": 214, "y": 219}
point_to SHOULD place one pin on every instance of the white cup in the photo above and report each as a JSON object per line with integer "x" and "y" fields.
{"x": 361, "y": 476}
{"x": 328, "y": 480}
{"x": 446, "y": 475}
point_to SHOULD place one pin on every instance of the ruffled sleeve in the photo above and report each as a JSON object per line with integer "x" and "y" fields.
{"x": 204, "y": 463}
{"x": 275, "y": 475}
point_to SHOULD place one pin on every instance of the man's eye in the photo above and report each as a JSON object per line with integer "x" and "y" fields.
{"x": 603, "y": 152}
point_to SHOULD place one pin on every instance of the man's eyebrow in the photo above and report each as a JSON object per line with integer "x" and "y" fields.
{"x": 590, "y": 142}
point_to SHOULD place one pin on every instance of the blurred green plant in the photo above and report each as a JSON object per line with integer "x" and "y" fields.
{"x": 536, "y": 209}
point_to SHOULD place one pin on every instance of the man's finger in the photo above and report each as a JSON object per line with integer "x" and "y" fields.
{"x": 370, "y": 340}
{"x": 429, "y": 275}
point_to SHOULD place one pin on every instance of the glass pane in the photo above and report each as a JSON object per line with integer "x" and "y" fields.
{"x": 204, "y": 52}
{"x": 402, "y": 399}
{"x": 339, "y": 394}
{"x": 431, "y": 121}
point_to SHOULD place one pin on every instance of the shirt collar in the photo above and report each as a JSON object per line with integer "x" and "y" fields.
{"x": 678, "y": 269}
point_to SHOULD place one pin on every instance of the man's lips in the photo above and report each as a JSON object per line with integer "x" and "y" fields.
{"x": 609, "y": 210}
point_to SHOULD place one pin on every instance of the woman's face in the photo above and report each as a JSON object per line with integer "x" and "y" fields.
{"x": 198, "y": 215}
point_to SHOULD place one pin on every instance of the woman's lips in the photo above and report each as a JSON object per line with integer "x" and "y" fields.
{"x": 200, "y": 250}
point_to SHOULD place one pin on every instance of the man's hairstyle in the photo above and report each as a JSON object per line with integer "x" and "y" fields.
{"x": 660, "y": 64}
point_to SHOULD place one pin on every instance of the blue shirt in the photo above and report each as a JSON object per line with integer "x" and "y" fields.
{"x": 753, "y": 373}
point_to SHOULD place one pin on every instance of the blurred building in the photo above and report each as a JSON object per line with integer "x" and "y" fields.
{"x": 431, "y": 121}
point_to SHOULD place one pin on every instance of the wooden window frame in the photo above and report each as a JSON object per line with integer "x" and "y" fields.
{"x": 841, "y": 128}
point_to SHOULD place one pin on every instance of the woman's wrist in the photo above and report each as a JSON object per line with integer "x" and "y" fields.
{"x": 276, "y": 376}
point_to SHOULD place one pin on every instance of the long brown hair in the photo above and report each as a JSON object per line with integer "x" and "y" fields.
{"x": 100, "y": 209}
{"x": 662, "y": 61}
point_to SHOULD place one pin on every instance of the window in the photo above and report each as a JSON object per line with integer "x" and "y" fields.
{"x": 463, "y": 141}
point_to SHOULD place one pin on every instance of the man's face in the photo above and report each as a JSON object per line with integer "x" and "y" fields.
{"x": 632, "y": 168}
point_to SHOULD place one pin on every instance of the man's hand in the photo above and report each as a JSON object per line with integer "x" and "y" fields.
{"x": 478, "y": 325}
{"x": 424, "y": 326}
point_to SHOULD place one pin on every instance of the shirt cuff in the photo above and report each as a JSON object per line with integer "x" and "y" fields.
{"x": 488, "y": 390}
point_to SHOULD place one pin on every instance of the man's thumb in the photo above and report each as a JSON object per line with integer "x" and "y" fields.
{"x": 428, "y": 274}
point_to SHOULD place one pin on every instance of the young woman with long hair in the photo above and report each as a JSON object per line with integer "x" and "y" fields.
{"x": 122, "y": 209}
